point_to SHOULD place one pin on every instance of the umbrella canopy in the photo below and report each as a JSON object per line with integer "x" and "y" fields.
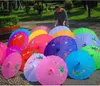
{"x": 21, "y": 30}
{"x": 60, "y": 46}
{"x": 63, "y": 33}
{"x": 11, "y": 65}
{"x": 57, "y": 29}
{"x": 1, "y": 55}
{"x": 80, "y": 65}
{"x": 39, "y": 43}
{"x": 3, "y": 48}
{"x": 86, "y": 39}
{"x": 31, "y": 65}
{"x": 25, "y": 54}
{"x": 12, "y": 49}
{"x": 19, "y": 39}
{"x": 94, "y": 51}
{"x": 54, "y": 71}
{"x": 84, "y": 30}
{"x": 36, "y": 33}
{"x": 41, "y": 28}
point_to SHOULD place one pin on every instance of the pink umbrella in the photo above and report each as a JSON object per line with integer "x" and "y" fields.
{"x": 51, "y": 70}
{"x": 1, "y": 55}
{"x": 41, "y": 27}
{"x": 3, "y": 48}
{"x": 12, "y": 49}
{"x": 11, "y": 65}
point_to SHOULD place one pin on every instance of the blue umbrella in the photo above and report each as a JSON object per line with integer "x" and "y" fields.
{"x": 60, "y": 46}
{"x": 80, "y": 65}
{"x": 58, "y": 28}
{"x": 86, "y": 39}
{"x": 20, "y": 30}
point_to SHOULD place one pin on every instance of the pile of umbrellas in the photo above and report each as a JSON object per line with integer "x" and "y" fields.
{"x": 49, "y": 56}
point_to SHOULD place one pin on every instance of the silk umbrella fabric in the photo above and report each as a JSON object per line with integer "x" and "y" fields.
{"x": 84, "y": 30}
{"x": 19, "y": 39}
{"x": 41, "y": 28}
{"x": 86, "y": 39}
{"x": 80, "y": 65}
{"x": 11, "y": 65}
{"x": 63, "y": 33}
{"x": 36, "y": 33}
{"x": 51, "y": 70}
{"x": 3, "y": 48}
{"x": 60, "y": 46}
{"x": 21, "y": 30}
{"x": 31, "y": 65}
{"x": 57, "y": 29}
{"x": 39, "y": 43}
{"x": 94, "y": 51}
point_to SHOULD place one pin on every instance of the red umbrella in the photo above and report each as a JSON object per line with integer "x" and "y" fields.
{"x": 39, "y": 43}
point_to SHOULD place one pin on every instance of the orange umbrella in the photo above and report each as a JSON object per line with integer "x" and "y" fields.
{"x": 63, "y": 33}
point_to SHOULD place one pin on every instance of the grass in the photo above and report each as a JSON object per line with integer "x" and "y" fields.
{"x": 77, "y": 14}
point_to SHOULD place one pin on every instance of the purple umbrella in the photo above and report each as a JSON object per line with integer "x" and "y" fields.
{"x": 61, "y": 46}
{"x": 86, "y": 39}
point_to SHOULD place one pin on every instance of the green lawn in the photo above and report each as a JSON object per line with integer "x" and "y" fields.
{"x": 77, "y": 14}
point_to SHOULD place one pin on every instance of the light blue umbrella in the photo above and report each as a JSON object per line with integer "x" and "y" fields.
{"x": 86, "y": 39}
{"x": 80, "y": 65}
{"x": 21, "y": 30}
{"x": 58, "y": 28}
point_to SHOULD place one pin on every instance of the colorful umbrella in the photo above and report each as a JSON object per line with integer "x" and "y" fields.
{"x": 63, "y": 33}
{"x": 36, "y": 33}
{"x": 12, "y": 49}
{"x": 80, "y": 65}
{"x": 3, "y": 48}
{"x": 19, "y": 39}
{"x": 57, "y": 29}
{"x": 41, "y": 28}
{"x": 86, "y": 39}
{"x": 39, "y": 43}
{"x": 51, "y": 70}
{"x": 21, "y": 30}
{"x": 11, "y": 65}
{"x": 31, "y": 65}
{"x": 25, "y": 54}
{"x": 1, "y": 55}
{"x": 60, "y": 46}
{"x": 84, "y": 30}
{"x": 94, "y": 51}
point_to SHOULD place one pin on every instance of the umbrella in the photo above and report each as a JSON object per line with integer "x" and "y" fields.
{"x": 11, "y": 65}
{"x": 21, "y": 30}
{"x": 36, "y": 33}
{"x": 94, "y": 51}
{"x": 57, "y": 29}
{"x": 86, "y": 39}
{"x": 3, "y": 48}
{"x": 12, "y": 49}
{"x": 31, "y": 65}
{"x": 84, "y": 30}
{"x": 54, "y": 71}
{"x": 39, "y": 43}
{"x": 25, "y": 54}
{"x": 60, "y": 46}
{"x": 1, "y": 55}
{"x": 63, "y": 33}
{"x": 19, "y": 39}
{"x": 80, "y": 65}
{"x": 41, "y": 28}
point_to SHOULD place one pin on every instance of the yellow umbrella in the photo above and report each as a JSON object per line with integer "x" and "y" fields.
{"x": 63, "y": 33}
{"x": 36, "y": 33}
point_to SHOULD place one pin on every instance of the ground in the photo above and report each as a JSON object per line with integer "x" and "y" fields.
{"x": 19, "y": 79}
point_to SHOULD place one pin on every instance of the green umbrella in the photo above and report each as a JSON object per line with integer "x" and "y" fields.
{"x": 94, "y": 51}
{"x": 84, "y": 30}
